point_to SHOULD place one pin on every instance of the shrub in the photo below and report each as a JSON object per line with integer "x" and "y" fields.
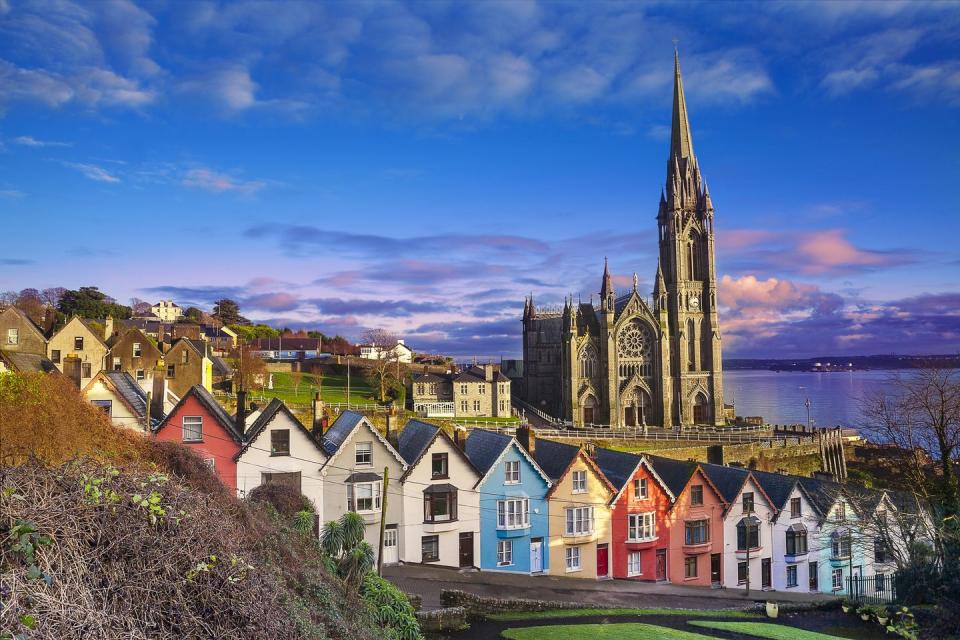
{"x": 390, "y": 608}
{"x": 184, "y": 463}
{"x": 918, "y": 583}
{"x": 285, "y": 499}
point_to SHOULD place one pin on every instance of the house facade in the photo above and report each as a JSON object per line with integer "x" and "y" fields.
{"x": 121, "y": 398}
{"x": 353, "y": 479}
{"x": 478, "y": 391}
{"x": 695, "y": 529}
{"x": 279, "y": 448}
{"x": 793, "y": 534}
{"x": 199, "y": 422}
{"x": 747, "y": 536}
{"x": 167, "y": 310}
{"x": 19, "y": 334}
{"x": 441, "y": 509}
{"x": 78, "y": 351}
{"x": 514, "y": 518}
{"x": 399, "y": 352}
{"x": 286, "y": 348}
{"x": 133, "y": 352}
{"x": 187, "y": 364}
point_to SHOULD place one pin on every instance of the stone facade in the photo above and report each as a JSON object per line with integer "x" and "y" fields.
{"x": 83, "y": 345}
{"x": 478, "y": 391}
{"x": 136, "y": 354}
{"x": 19, "y": 334}
{"x": 632, "y": 360}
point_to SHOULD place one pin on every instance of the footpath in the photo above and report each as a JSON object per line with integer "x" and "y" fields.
{"x": 428, "y": 581}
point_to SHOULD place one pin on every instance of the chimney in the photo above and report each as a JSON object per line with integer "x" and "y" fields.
{"x": 392, "y": 430}
{"x": 241, "y": 412}
{"x": 159, "y": 394}
{"x": 488, "y": 372}
{"x": 108, "y": 328}
{"x": 460, "y": 438}
{"x": 715, "y": 454}
{"x": 317, "y": 426}
{"x": 527, "y": 438}
{"x": 590, "y": 448}
{"x": 71, "y": 368}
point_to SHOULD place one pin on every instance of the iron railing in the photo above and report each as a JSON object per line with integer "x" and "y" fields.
{"x": 876, "y": 589}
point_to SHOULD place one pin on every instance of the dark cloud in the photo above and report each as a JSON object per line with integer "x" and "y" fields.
{"x": 465, "y": 339}
{"x": 401, "y": 308}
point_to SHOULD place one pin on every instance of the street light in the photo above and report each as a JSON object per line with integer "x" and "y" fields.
{"x": 807, "y": 404}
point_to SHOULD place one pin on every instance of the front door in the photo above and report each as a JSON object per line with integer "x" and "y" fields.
{"x": 536, "y": 555}
{"x": 603, "y": 561}
{"x": 629, "y": 417}
{"x": 391, "y": 549}
{"x": 715, "y": 568}
{"x": 588, "y": 415}
{"x": 661, "y": 564}
{"x": 765, "y": 573}
{"x": 814, "y": 577}
{"x": 466, "y": 549}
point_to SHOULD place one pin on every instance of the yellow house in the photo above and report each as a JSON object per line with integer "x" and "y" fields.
{"x": 579, "y": 509}
{"x": 80, "y": 347}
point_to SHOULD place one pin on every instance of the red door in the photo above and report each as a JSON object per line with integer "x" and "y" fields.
{"x": 603, "y": 553}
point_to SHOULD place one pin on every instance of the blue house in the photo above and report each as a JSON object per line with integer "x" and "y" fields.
{"x": 513, "y": 506}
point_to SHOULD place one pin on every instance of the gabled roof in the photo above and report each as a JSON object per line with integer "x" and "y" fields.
{"x": 582, "y": 455}
{"x": 263, "y": 420}
{"x": 27, "y": 362}
{"x": 213, "y": 408}
{"x": 777, "y": 486}
{"x": 616, "y": 466}
{"x": 83, "y": 323}
{"x": 477, "y": 374}
{"x": 822, "y": 493}
{"x": 126, "y": 388}
{"x": 485, "y": 448}
{"x": 554, "y": 457}
{"x": 674, "y": 473}
{"x": 27, "y": 321}
{"x": 429, "y": 377}
{"x": 341, "y": 429}
{"x": 220, "y": 366}
{"x": 727, "y": 480}
{"x": 415, "y": 444}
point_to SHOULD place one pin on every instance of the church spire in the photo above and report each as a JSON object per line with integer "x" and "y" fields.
{"x": 607, "y": 287}
{"x": 681, "y": 144}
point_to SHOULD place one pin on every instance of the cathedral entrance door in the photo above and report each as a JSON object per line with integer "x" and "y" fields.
{"x": 588, "y": 415}
{"x": 700, "y": 410}
{"x": 630, "y": 417}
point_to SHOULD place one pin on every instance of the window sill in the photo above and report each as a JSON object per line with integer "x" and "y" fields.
{"x": 504, "y": 564}
{"x": 444, "y": 477}
{"x": 192, "y": 441}
{"x": 514, "y": 482}
{"x": 634, "y": 575}
{"x": 280, "y": 455}
{"x": 690, "y": 578}
{"x": 578, "y": 569}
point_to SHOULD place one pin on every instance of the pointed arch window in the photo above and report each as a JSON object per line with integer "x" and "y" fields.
{"x": 691, "y": 345}
{"x": 588, "y": 362}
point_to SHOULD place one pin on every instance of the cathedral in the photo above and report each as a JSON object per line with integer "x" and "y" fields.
{"x": 633, "y": 361}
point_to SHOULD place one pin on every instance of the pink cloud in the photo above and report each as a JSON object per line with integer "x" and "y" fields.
{"x": 213, "y": 181}
{"x": 273, "y": 301}
{"x": 828, "y": 251}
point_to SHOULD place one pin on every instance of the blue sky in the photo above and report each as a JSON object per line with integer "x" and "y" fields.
{"x": 423, "y": 166}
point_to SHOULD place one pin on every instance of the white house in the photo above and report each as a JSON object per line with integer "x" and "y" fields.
{"x": 794, "y": 533}
{"x": 278, "y": 448}
{"x": 121, "y": 398}
{"x": 401, "y": 352}
{"x": 167, "y": 310}
{"x": 840, "y": 540}
{"x": 353, "y": 479}
{"x": 441, "y": 508}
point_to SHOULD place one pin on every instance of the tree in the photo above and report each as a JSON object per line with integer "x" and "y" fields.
{"x": 385, "y": 367}
{"x": 140, "y": 307}
{"x": 51, "y": 296}
{"x": 249, "y": 370}
{"x": 194, "y": 314}
{"x": 342, "y": 542}
{"x": 227, "y": 311}
{"x": 296, "y": 378}
{"x": 90, "y": 302}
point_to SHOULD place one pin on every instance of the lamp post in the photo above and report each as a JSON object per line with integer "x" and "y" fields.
{"x": 348, "y": 381}
{"x": 807, "y": 405}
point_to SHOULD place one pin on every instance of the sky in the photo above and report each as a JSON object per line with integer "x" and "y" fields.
{"x": 423, "y": 166}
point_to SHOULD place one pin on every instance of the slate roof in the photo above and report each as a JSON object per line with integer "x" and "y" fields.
{"x": 429, "y": 377}
{"x": 777, "y": 486}
{"x": 554, "y": 457}
{"x": 727, "y": 480}
{"x": 618, "y": 466}
{"x": 27, "y": 362}
{"x": 414, "y": 440}
{"x": 130, "y": 391}
{"x": 199, "y": 345}
{"x": 338, "y": 432}
{"x": 220, "y": 366}
{"x": 477, "y": 374}
{"x": 484, "y": 447}
{"x": 674, "y": 473}
{"x": 822, "y": 493}
{"x": 263, "y": 419}
{"x": 212, "y": 406}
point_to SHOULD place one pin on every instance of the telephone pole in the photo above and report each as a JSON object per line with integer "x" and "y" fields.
{"x": 383, "y": 519}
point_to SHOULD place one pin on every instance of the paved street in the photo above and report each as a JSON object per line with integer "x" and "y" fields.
{"x": 427, "y": 582}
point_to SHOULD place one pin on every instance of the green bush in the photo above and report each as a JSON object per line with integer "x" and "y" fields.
{"x": 390, "y": 608}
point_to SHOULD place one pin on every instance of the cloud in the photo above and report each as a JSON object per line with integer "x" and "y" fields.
{"x": 11, "y": 193}
{"x": 29, "y": 141}
{"x": 232, "y": 87}
{"x": 354, "y": 306}
{"x": 93, "y": 172}
{"x": 216, "y": 182}
{"x": 16, "y": 262}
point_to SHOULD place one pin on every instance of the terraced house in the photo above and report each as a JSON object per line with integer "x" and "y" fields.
{"x": 78, "y": 351}
{"x": 695, "y": 527}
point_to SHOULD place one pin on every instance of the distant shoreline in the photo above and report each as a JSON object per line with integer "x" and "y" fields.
{"x": 833, "y": 364}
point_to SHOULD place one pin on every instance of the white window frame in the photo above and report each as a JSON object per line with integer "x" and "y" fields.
{"x": 141, "y": 374}
{"x": 641, "y": 489}
{"x": 117, "y": 364}
{"x": 357, "y": 452}
{"x": 579, "y": 480}
{"x": 634, "y": 564}
{"x": 792, "y": 568}
{"x": 836, "y": 579}
{"x": 513, "y": 513}
{"x": 13, "y": 335}
{"x": 642, "y": 527}
{"x": 194, "y": 420}
{"x": 504, "y": 553}
{"x": 572, "y": 558}
{"x": 511, "y": 472}
{"x": 389, "y": 537}
{"x": 137, "y": 350}
{"x": 375, "y": 496}
{"x": 579, "y": 521}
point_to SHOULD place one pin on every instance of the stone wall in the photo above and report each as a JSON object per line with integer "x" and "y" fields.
{"x": 480, "y": 605}
{"x": 798, "y": 459}
{"x": 441, "y": 620}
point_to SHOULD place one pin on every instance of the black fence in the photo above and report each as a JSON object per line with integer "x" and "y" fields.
{"x": 878, "y": 589}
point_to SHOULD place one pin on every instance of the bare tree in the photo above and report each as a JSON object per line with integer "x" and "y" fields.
{"x": 385, "y": 366}
{"x": 139, "y": 307}
{"x": 296, "y": 377}
{"x": 249, "y": 370}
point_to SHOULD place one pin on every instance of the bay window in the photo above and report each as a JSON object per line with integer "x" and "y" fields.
{"x": 440, "y": 503}
{"x": 641, "y": 526}
{"x": 363, "y": 497}
{"x": 513, "y": 513}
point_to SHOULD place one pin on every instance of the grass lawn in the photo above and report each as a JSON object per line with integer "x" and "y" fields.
{"x": 333, "y": 389}
{"x": 583, "y": 613}
{"x": 764, "y": 630}
{"x": 627, "y": 631}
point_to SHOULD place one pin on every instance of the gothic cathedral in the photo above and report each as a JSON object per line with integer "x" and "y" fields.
{"x": 633, "y": 361}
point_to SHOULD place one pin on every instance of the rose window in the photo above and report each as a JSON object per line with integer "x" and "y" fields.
{"x": 634, "y": 341}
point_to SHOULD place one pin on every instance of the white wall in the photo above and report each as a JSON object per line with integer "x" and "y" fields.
{"x": 464, "y": 478}
{"x": 305, "y": 457}
{"x": 809, "y": 519}
{"x": 120, "y": 414}
{"x": 763, "y": 512}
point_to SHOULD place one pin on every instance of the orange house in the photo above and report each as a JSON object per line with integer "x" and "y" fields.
{"x": 696, "y": 533}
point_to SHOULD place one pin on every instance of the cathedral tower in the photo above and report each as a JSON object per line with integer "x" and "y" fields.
{"x": 687, "y": 277}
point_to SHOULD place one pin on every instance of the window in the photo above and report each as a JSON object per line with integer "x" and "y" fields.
{"x": 840, "y": 513}
{"x": 742, "y": 572}
{"x": 363, "y": 496}
{"x": 696, "y": 494}
{"x": 210, "y": 462}
{"x": 697, "y": 532}
{"x": 748, "y": 533}
{"x": 420, "y": 389}
{"x": 791, "y": 575}
{"x": 503, "y": 405}
{"x": 78, "y": 343}
{"x": 184, "y": 357}
{"x": 117, "y": 365}
{"x": 482, "y": 388}
{"x": 690, "y": 567}
{"x": 579, "y": 521}
{"x": 840, "y": 545}
{"x": 439, "y": 465}
{"x": 13, "y": 336}
{"x": 573, "y": 558}
{"x": 633, "y": 564}
{"x": 280, "y": 442}
{"x": 641, "y": 526}
{"x": 513, "y": 513}
{"x": 86, "y": 370}
{"x": 140, "y": 374}
{"x": 106, "y": 405}
{"x": 137, "y": 350}
{"x": 430, "y": 546}
{"x": 290, "y": 479}
{"x": 813, "y": 576}
{"x": 640, "y": 489}
{"x": 504, "y": 553}
{"x": 836, "y": 579}
{"x": 881, "y": 552}
{"x": 463, "y": 406}
{"x": 579, "y": 481}
{"x": 463, "y": 389}
{"x": 439, "y": 505}
{"x": 192, "y": 428}
{"x": 171, "y": 371}
{"x": 390, "y": 536}
{"x": 796, "y": 542}
{"x": 748, "y": 502}
{"x": 794, "y": 507}
{"x": 55, "y": 355}
{"x": 511, "y": 472}
{"x": 363, "y": 454}
{"x": 476, "y": 405}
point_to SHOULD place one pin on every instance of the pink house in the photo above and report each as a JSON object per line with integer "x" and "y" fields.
{"x": 695, "y": 528}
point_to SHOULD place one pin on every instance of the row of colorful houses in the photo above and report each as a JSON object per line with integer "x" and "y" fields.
{"x": 520, "y": 504}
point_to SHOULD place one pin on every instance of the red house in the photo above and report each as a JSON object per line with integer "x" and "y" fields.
{"x": 199, "y": 422}
{"x": 639, "y": 511}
